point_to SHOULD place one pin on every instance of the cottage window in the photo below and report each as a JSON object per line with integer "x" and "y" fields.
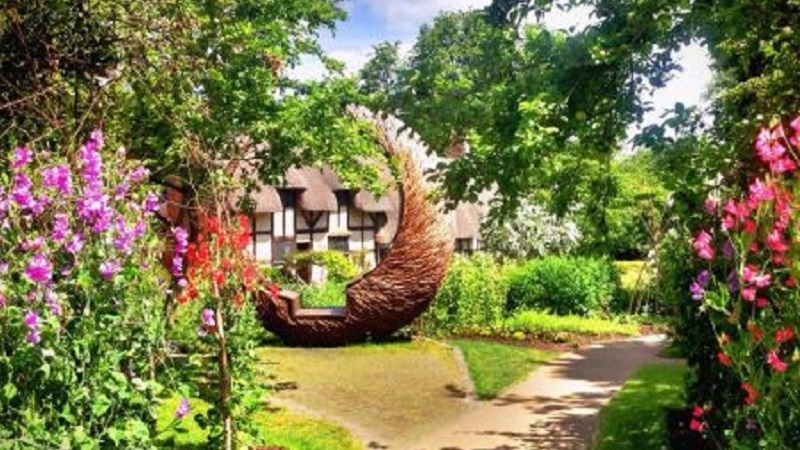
{"x": 340, "y": 243}
{"x": 464, "y": 246}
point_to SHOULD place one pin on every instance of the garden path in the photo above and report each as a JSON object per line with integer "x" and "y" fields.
{"x": 555, "y": 408}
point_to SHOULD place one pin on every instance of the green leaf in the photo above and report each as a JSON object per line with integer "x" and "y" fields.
{"x": 9, "y": 391}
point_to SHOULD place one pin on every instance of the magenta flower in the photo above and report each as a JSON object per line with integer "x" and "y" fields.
{"x": 749, "y": 294}
{"x": 109, "y": 268}
{"x": 208, "y": 318}
{"x": 139, "y": 174}
{"x": 711, "y": 204}
{"x": 32, "y": 320}
{"x": 34, "y": 337}
{"x": 21, "y": 193}
{"x": 125, "y": 236}
{"x": 52, "y": 302}
{"x": 60, "y": 227}
{"x": 75, "y": 244}
{"x": 151, "y": 203}
{"x": 3, "y": 302}
{"x": 22, "y": 157}
{"x": 39, "y": 270}
{"x": 183, "y": 410}
{"x": 760, "y": 192}
{"x": 58, "y": 177}
{"x": 697, "y": 291}
{"x": 92, "y": 161}
{"x": 776, "y": 242}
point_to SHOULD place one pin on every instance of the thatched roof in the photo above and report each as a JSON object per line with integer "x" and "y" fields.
{"x": 316, "y": 194}
{"x": 266, "y": 200}
{"x": 365, "y": 201}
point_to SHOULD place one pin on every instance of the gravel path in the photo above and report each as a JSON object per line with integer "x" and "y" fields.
{"x": 555, "y": 408}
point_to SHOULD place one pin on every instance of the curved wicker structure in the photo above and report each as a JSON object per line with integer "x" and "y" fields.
{"x": 399, "y": 288}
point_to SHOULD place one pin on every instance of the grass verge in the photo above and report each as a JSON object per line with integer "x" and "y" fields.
{"x": 539, "y": 325}
{"x": 635, "y": 418}
{"x": 278, "y": 428}
{"x": 494, "y": 367}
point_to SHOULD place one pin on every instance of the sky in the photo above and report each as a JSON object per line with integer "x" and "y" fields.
{"x": 370, "y": 22}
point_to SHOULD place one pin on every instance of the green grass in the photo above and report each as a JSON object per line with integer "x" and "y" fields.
{"x": 635, "y": 419}
{"x": 539, "y": 325}
{"x": 494, "y": 367}
{"x": 278, "y": 428}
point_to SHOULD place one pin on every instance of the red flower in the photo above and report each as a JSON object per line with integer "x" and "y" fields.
{"x": 762, "y": 302}
{"x": 249, "y": 274}
{"x": 784, "y": 335}
{"x": 790, "y": 281}
{"x": 752, "y": 395}
{"x": 698, "y": 411}
{"x": 219, "y": 277}
{"x": 775, "y": 362}
{"x": 724, "y": 359}
{"x": 697, "y": 426}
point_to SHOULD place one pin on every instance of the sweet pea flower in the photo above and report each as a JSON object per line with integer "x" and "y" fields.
{"x": 776, "y": 362}
{"x": 109, "y": 268}
{"x": 749, "y": 294}
{"x": 724, "y": 359}
{"x": 75, "y": 244}
{"x": 22, "y": 157}
{"x": 60, "y": 227}
{"x": 762, "y": 302}
{"x": 783, "y": 165}
{"x": 208, "y": 318}
{"x": 711, "y": 204}
{"x": 151, "y": 203}
{"x": 697, "y": 291}
{"x": 702, "y": 245}
{"x": 776, "y": 242}
{"x": 139, "y": 174}
{"x": 183, "y": 410}
{"x": 21, "y": 192}
{"x": 760, "y": 192}
{"x": 58, "y": 177}
{"x": 40, "y": 269}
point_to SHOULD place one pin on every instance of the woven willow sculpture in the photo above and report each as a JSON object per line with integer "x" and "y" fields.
{"x": 403, "y": 283}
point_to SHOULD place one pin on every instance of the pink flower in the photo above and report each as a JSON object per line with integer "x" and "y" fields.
{"x": 776, "y": 243}
{"x": 208, "y": 318}
{"x": 782, "y": 165}
{"x": 762, "y": 302}
{"x": 760, "y": 192}
{"x": 702, "y": 245}
{"x": 22, "y": 157}
{"x": 749, "y": 273}
{"x": 697, "y": 425}
{"x": 749, "y": 294}
{"x": 775, "y": 361}
{"x": 39, "y": 270}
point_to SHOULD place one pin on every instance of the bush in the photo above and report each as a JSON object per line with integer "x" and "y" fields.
{"x": 472, "y": 295}
{"x": 563, "y": 285}
{"x": 636, "y": 293}
{"x": 539, "y": 325}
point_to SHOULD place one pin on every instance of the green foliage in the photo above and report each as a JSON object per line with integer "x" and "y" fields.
{"x": 471, "y": 295}
{"x": 495, "y": 367}
{"x": 637, "y": 288}
{"x": 636, "y": 417}
{"x": 563, "y": 285}
{"x": 338, "y": 266}
{"x": 635, "y": 214}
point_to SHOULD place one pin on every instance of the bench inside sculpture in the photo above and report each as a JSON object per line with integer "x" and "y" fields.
{"x": 403, "y": 283}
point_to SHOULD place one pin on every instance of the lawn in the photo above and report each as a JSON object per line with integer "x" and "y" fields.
{"x": 495, "y": 367}
{"x": 635, "y": 418}
{"x": 279, "y": 428}
{"x": 386, "y": 394}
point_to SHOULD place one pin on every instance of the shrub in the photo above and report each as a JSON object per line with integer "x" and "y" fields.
{"x": 472, "y": 295}
{"x": 573, "y": 285}
{"x": 539, "y": 325}
{"x": 636, "y": 293}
